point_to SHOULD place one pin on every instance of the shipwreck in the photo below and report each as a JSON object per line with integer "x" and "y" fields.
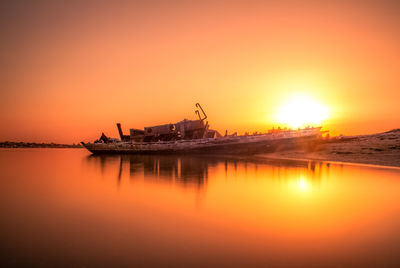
{"x": 196, "y": 136}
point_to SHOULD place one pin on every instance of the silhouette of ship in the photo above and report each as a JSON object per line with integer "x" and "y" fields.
{"x": 195, "y": 136}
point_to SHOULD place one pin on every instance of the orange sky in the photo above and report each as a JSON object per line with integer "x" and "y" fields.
{"x": 70, "y": 71}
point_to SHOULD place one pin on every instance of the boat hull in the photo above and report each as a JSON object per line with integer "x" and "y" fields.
{"x": 234, "y": 145}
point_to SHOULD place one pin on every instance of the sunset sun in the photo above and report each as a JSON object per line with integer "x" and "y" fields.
{"x": 301, "y": 111}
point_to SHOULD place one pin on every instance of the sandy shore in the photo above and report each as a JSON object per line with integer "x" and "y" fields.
{"x": 376, "y": 149}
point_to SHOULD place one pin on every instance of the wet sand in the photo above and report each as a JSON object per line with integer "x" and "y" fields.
{"x": 376, "y": 149}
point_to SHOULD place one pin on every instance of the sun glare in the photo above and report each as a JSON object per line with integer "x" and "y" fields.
{"x": 301, "y": 111}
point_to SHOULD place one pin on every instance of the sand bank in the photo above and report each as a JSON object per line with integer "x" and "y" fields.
{"x": 377, "y": 149}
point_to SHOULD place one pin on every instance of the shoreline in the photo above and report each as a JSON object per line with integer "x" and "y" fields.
{"x": 11, "y": 145}
{"x": 378, "y": 150}
{"x": 336, "y": 162}
{"x": 382, "y": 149}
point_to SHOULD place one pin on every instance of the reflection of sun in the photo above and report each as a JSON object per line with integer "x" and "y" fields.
{"x": 302, "y": 184}
{"x": 301, "y": 111}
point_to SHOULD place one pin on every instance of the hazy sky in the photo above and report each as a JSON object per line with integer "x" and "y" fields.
{"x": 69, "y": 71}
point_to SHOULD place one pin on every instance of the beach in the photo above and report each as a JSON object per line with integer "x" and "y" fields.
{"x": 375, "y": 149}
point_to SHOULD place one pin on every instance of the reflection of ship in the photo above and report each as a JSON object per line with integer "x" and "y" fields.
{"x": 194, "y": 170}
{"x": 195, "y": 136}
{"x": 183, "y": 170}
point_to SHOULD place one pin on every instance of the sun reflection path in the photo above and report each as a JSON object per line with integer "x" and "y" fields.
{"x": 303, "y": 185}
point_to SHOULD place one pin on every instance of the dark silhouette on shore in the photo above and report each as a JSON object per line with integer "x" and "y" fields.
{"x": 11, "y": 144}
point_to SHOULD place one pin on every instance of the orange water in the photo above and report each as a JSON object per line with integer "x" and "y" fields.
{"x": 63, "y": 207}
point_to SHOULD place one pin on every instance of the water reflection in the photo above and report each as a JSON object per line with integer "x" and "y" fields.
{"x": 187, "y": 170}
{"x": 63, "y": 208}
{"x": 184, "y": 171}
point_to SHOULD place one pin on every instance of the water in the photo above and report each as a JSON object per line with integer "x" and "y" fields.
{"x": 63, "y": 207}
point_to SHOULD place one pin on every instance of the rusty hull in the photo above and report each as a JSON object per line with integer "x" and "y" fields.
{"x": 224, "y": 145}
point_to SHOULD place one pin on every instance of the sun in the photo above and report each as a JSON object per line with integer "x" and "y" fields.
{"x": 301, "y": 111}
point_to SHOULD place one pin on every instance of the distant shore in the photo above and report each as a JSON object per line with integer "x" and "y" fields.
{"x": 376, "y": 149}
{"x": 10, "y": 144}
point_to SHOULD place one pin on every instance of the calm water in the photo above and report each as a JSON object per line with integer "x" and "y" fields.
{"x": 62, "y": 207}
